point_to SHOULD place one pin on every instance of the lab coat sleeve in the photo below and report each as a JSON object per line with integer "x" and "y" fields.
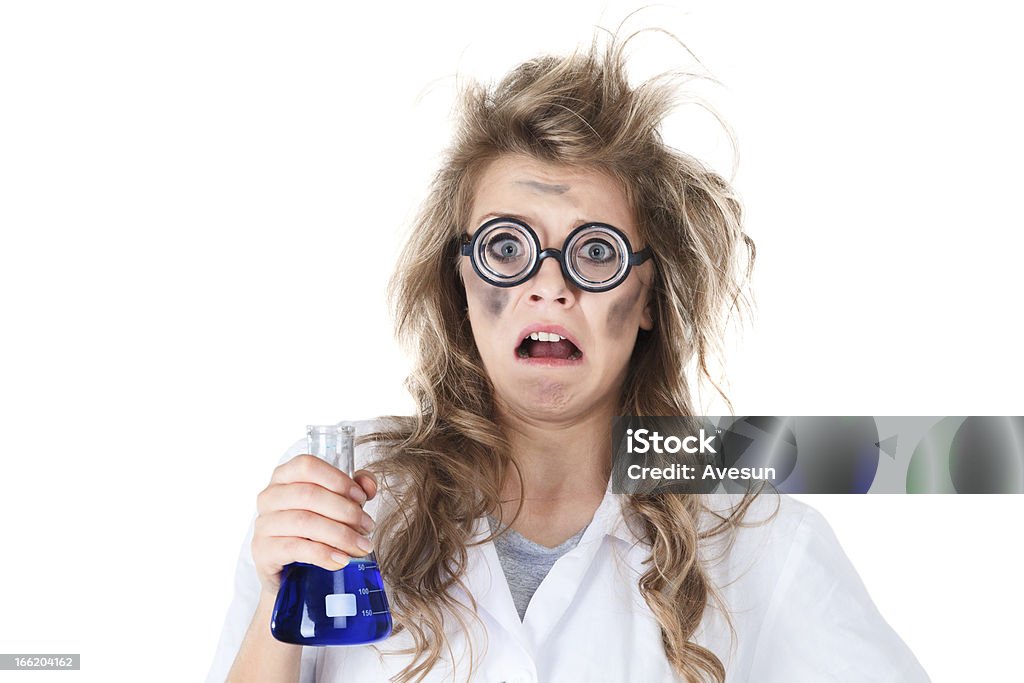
{"x": 243, "y": 607}
{"x": 821, "y": 625}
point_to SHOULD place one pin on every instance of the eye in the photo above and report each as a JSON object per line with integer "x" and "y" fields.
{"x": 505, "y": 247}
{"x": 598, "y": 251}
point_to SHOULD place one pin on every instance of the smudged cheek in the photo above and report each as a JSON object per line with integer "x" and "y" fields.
{"x": 622, "y": 323}
{"x": 622, "y": 309}
{"x": 486, "y": 305}
{"x": 489, "y": 299}
{"x": 496, "y": 300}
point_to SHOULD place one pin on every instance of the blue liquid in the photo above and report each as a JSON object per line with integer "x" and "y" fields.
{"x": 353, "y": 596}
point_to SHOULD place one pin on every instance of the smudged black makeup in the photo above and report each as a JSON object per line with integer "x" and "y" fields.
{"x": 495, "y": 300}
{"x": 619, "y": 312}
{"x": 543, "y": 188}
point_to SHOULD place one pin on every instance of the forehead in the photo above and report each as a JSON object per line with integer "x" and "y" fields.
{"x": 552, "y": 198}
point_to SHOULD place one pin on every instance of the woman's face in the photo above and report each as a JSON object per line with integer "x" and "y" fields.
{"x": 556, "y": 382}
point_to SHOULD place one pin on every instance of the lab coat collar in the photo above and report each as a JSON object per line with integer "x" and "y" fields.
{"x": 609, "y": 519}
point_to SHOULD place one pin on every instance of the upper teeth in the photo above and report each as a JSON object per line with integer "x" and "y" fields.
{"x": 546, "y": 336}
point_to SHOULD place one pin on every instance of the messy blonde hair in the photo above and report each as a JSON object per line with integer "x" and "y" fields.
{"x": 444, "y": 465}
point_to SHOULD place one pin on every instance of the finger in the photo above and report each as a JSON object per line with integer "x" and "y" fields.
{"x": 314, "y": 498}
{"x": 310, "y": 525}
{"x": 310, "y": 468}
{"x": 368, "y": 482}
{"x": 278, "y": 552}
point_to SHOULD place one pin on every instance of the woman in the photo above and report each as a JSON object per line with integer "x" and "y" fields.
{"x": 568, "y": 267}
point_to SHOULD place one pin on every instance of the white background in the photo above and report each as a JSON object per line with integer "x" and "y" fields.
{"x": 200, "y": 204}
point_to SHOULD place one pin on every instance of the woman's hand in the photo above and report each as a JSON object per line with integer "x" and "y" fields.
{"x": 310, "y": 512}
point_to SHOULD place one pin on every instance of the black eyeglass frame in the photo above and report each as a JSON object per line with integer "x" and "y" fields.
{"x": 469, "y": 248}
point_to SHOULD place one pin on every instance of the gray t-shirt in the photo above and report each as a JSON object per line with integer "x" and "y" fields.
{"x": 526, "y": 563}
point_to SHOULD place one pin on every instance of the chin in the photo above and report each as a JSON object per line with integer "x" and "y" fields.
{"x": 546, "y": 398}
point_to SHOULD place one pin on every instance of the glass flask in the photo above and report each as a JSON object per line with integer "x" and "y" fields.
{"x": 317, "y": 606}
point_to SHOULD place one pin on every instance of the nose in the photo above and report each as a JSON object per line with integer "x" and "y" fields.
{"x": 548, "y": 284}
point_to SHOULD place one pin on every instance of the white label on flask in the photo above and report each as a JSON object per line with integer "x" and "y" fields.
{"x": 341, "y": 605}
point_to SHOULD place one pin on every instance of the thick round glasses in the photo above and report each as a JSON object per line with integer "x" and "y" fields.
{"x": 595, "y": 257}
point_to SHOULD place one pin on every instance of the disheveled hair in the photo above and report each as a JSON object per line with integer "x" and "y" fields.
{"x": 444, "y": 465}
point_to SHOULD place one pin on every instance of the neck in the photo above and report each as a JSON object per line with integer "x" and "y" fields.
{"x": 561, "y": 462}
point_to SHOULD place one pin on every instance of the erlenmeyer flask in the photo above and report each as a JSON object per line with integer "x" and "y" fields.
{"x": 316, "y": 606}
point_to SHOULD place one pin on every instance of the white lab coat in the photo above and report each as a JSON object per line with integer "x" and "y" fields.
{"x": 800, "y": 612}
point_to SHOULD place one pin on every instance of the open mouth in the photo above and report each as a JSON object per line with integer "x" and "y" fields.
{"x": 547, "y": 345}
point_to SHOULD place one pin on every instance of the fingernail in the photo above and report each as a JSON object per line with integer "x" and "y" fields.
{"x": 364, "y": 543}
{"x": 340, "y": 559}
{"x": 357, "y": 494}
{"x": 366, "y": 522}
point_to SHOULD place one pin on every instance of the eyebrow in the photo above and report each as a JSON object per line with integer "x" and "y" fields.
{"x": 544, "y": 187}
{"x": 502, "y": 214}
{"x": 526, "y": 219}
